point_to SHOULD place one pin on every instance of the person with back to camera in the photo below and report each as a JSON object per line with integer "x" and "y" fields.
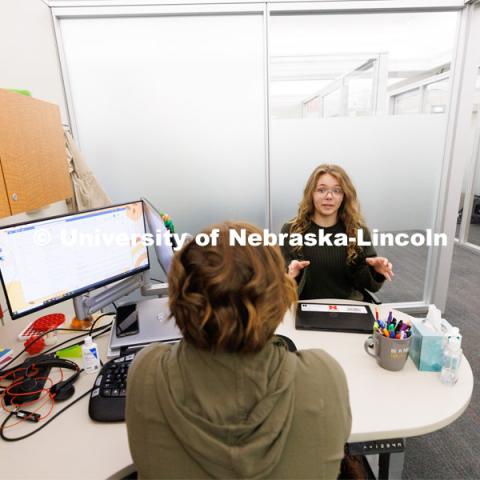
{"x": 230, "y": 400}
{"x": 332, "y": 271}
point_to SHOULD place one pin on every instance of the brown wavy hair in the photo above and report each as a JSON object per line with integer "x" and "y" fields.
{"x": 229, "y": 297}
{"x": 349, "y": 212}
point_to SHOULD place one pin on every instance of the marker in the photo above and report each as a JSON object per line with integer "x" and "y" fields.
{"x": 399, "y": 326}
{"x": 390, "y": 316}
{"x": 376, "y": 313}
{"x": 381, "y": 324}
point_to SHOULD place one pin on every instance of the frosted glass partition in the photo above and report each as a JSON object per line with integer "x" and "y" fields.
{"x": 172, "y": 108}
{"x": 474, "y": 197}
{"x": 395, "y": 161}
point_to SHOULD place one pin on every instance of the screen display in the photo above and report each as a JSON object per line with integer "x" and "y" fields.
{"x": 50, "y": 260}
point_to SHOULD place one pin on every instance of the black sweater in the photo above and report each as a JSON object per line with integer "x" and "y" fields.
{"x": 329, "y": 275}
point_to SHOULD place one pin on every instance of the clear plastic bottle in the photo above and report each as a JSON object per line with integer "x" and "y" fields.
{"x": 91, "y": 361}
{"x": 452, "y": 356}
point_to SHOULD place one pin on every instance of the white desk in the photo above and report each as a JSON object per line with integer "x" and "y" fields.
{"x": 425, "y": 403}
{"x": 73, "y": 446}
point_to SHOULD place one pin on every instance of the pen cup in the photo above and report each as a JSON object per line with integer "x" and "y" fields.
{"x": 390, "y": 353}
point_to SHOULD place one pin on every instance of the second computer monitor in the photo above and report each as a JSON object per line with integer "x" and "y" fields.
{"x": 156, "y": 226}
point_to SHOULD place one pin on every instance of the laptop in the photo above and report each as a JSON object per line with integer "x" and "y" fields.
{"x": 334, "y": 318}
{"x": 154, "y": 325}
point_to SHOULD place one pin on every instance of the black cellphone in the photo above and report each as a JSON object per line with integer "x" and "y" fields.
{"x": 127, "y": 320}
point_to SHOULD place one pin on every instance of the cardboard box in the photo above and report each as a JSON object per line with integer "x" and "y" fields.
{"x": 426, "y": 349}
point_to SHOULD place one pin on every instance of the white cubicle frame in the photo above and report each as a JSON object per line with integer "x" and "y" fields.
{"x": 457, "y": 144}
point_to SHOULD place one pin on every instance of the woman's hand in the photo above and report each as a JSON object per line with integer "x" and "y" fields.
{"x": 296, "y": 266}
{"x": 381, "y": 265}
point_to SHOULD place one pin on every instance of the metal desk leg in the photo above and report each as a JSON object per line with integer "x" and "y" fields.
{"x": 385, "y": 456}
{"x": 390, "y": 466}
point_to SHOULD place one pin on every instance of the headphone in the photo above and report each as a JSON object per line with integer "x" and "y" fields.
{"x": 25, "y": 380}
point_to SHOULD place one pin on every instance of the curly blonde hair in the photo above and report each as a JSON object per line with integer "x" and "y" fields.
{"x": 229, "y": 297}
{"x": 349, "y": 211}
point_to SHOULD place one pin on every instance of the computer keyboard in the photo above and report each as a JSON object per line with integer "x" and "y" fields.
{"x": 107, "y": 399}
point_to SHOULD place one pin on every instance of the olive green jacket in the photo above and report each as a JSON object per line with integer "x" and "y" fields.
{"x": 273, "y": 414}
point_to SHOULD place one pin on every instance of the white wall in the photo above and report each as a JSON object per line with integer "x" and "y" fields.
{"x": 28, "y": 55}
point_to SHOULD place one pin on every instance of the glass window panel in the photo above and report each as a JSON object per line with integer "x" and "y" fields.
{"x": 397, "y": 179}
{"x": 436, "y": 97}
{"x": 332, "y": 104}
{"x": 474, "y": 229}
{"x": 470, "y": 204}
{"x": 360, "y": 92}
{"x": 408, "y": 102}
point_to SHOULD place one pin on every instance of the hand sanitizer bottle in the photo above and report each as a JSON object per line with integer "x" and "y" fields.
{"x": 452, "y": 356}
{"x": 91, "y": 360}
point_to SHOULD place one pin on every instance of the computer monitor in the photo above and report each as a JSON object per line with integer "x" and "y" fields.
{"x": 156, "y": 226}
{"x": 47, "y": 261}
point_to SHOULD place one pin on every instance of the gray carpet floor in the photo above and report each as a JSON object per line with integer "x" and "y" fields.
{"x": 409, "y": 266}
{"x": 473, "y": 233}
{"x": 454, "y": 452}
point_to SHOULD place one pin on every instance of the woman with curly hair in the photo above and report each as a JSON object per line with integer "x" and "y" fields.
{"x": 230, "y": 400}
{"x": 330, "y": 205}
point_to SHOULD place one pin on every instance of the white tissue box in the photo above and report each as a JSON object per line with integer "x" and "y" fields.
{"x": 426, "y": 348}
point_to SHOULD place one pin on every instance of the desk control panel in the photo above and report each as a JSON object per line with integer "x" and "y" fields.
{"x": 392, "y": 445}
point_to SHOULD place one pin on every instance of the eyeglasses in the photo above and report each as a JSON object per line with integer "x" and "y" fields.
{"x": 336, "y": 192}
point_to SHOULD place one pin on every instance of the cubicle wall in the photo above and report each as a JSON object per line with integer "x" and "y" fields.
{"x": 217, "y": 111}
{"x": 172, "y": 108}
{"x": 397, "y": 181}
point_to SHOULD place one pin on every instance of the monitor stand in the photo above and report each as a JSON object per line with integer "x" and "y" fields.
{"x": 87, "y": 304}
